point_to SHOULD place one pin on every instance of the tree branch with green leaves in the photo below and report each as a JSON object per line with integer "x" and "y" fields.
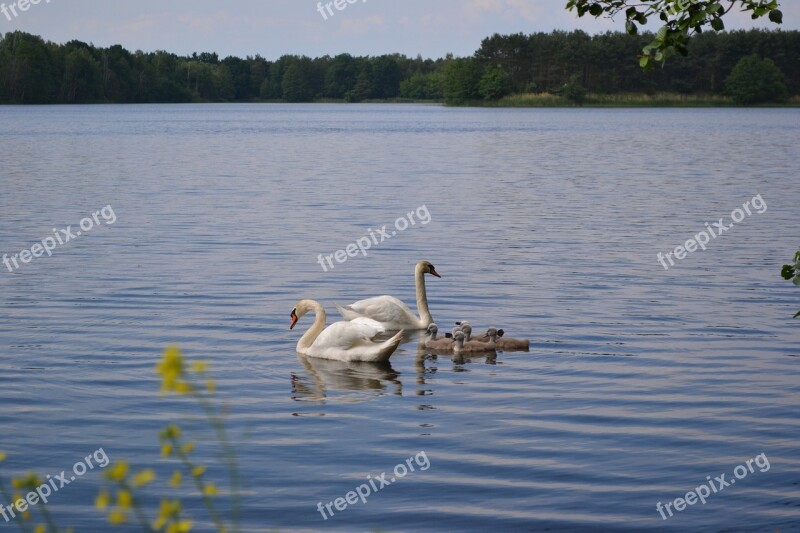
{"x": 792, "y": 272}
{"x": 681, "y": 18}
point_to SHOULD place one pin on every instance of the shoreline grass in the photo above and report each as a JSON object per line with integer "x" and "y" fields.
{"x": 545, "y": 100}
{"x": 662, "y": 99}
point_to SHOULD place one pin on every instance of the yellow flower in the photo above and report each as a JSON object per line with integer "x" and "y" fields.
{"x": 170, "y": 432}
{"x": 187, "y": 448}
{"x": 41, "y": 528}
{"x": 118, "y": 472}
{"x": 2, "y": 456}
{"x": 210, "y": 490}
{"x": 173, "y": 508}
{"x": 163, "y": 514}
{"x": 167, "y": 510}
{"x": 176, "y": 480}
{"x": 28, "y": 482}
{"x": 26, "y": 516}
{"x": 199, "y": 367}
{"x": 159, "y": 522}
{"x": 143, "y": 478}
{"x": 125, "y": 499}
{"x": 170, "y": 368}
{"x": 181, "y": 387}
{"x": 184, "y": 526}
{"x": 166, "y": 449}
{"x": 211, "y": 385}
{"x": 198, "y": 471}
{"x": 102, "y": 500}
{"x": 117, "y": 517}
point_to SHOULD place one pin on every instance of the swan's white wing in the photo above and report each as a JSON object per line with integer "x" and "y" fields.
{"x": 373, "y": 325}
{"x": 346, "y": 335}
{"x": 385, "y": 309}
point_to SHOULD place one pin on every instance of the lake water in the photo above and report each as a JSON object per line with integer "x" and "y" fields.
{"x": 639, "y": 384}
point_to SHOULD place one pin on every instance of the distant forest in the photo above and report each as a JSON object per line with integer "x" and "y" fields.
{"x": 34, "y": 71}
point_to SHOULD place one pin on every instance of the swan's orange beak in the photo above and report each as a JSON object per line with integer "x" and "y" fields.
{"x": 294, "y": 320}
{"x": 434, "y": 273}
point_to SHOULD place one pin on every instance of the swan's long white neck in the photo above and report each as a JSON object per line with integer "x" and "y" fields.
{"x": 316, "y": 328}
{"x": 422, "y": 296}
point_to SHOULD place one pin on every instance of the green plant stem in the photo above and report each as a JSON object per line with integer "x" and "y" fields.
{"x": 20, "y": 523}
{"x": 228, "y": 453}
{"x": 209, "y": 503}
{"x": 137, "y": 509}
{"x": 48, "y": 518}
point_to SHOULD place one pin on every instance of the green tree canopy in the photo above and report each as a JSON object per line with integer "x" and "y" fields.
{"x": 34, "y": 71}
{"x": 494, "y": 84}
{"x": 681, "y": 19}
{"x": 462, "y": 81}
{"x": 755, "y": 81}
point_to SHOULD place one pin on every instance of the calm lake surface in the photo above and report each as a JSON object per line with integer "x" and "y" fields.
{"x": 639, "y": 384}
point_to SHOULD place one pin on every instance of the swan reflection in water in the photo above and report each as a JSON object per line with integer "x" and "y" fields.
{"x": 325, "y": 376}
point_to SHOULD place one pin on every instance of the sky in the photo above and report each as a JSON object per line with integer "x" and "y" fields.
{"x": 272, "y": 28}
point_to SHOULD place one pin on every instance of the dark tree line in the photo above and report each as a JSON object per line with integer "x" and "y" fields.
{"x": 544, "y": 62}
{"x": 33, "y": 71}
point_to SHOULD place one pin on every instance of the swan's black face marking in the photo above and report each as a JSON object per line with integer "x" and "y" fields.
{"x": 432, "y": 271}
{"x": 294, "y": 318}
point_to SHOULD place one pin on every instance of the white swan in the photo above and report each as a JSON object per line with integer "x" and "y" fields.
{"x": 391, "y": 312}
{"x": 342, "y": 341}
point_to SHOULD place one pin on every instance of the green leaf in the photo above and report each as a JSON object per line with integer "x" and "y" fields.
{"x": 797, "y": 315}
{"x": 796, "y": 280}
{"x": 717, "y": 24}
{"x": 631, "y": 28}
{"x": 776, "y": 16}
{"x": 596, "y": 10}
{"x": 644, "y": 62}
{"x": 787, "y": 272}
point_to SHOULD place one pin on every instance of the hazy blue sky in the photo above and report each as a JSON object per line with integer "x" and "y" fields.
{"x": 275, "y": 27}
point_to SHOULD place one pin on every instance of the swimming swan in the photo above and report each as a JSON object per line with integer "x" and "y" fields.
{"x": 342, "y": 341}
{"x": 391, "y": 312}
